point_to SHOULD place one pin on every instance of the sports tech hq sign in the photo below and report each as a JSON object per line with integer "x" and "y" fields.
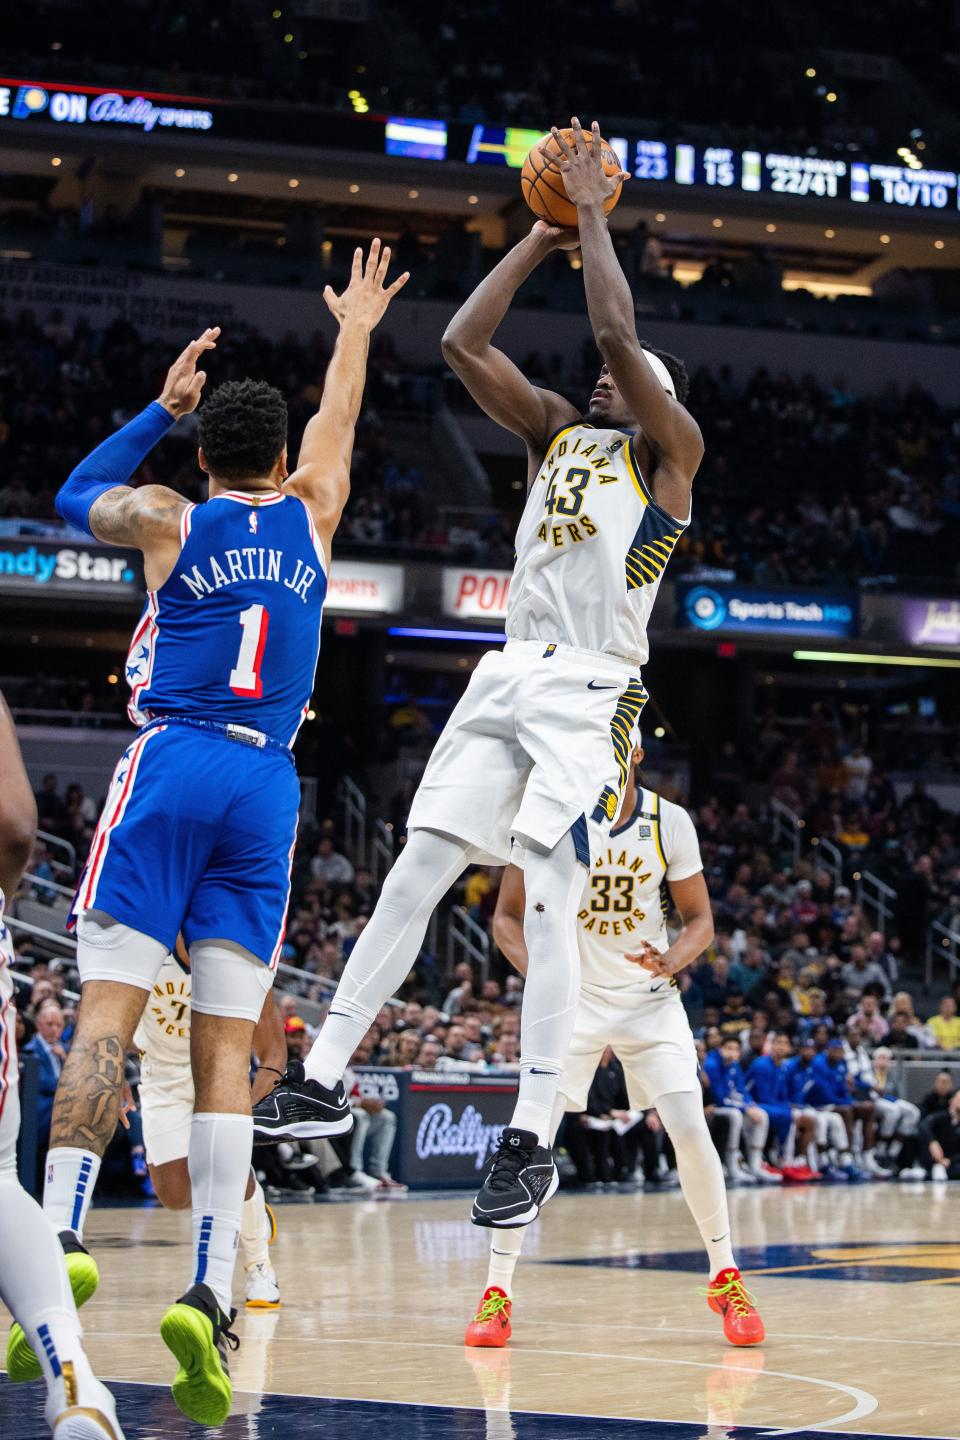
{"x": 743, "y": 609}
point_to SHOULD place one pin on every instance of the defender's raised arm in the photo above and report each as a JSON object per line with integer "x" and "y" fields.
{"x": 96, "y": 497}
{"x": 322, "y": 477}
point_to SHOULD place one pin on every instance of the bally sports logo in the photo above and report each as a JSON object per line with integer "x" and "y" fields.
{"x": 23, "y": 566}
{"x": 439, "y": 1134}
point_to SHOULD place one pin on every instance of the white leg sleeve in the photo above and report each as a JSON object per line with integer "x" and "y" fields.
{"x": 388, "y": 948}
{"x": 701, "y": 1174}
{"x": 553, "y": 881}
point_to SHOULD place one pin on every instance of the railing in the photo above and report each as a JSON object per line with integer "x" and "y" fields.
{"x": 381, "y": 851}
{"x": 49, "y": 937}
{"x": 829, "y": 857}
{"x": 27, "y": 983}
{"x": 54, "y": 842}
{"x": 876, "y": 895}
{"x": 943, "y": 942}
{"x": 47, "y": 886}
{"x": 466, "y": 940}
{"x": 354, "y": 820}
{"x": 786, "y": 823}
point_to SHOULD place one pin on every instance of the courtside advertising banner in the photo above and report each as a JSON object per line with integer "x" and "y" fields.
{"x": 742, "y": 609}
{"x": 357, "y": 585}
{"x": 934, "y": 623}
{"x": 449, "y": 1122}
{"x": 41, "y": 568}
{"x": 470, "y": 594}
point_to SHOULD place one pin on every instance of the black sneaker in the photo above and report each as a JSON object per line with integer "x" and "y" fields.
{"x": 520, "y": 1179}
{"x": 301, "y": 1109}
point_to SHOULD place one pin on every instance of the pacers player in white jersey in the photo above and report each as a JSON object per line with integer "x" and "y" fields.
{"x": 538, "y": 747}
{"x": 629, "y": 1000}
{"x": 34, "y": 1284}
{"x": 166, "y": 1108}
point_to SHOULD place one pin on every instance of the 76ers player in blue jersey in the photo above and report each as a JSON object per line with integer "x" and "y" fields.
{"x": 198, "y": 830}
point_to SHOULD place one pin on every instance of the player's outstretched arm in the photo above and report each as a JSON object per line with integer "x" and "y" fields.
{"x": 498, "y": 386}
{"x": 270, "y": 1048}
{"x": 18, "y": 809}
{"x": 96, "y": 497}
{"x": 508, "y": 918}
{"x": 322, "y": 476}
{"x": 670, "y": 427}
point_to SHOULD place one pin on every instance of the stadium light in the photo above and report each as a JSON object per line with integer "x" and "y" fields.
{"x": 847, "y": 657}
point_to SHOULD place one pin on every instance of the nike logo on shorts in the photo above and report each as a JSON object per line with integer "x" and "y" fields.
{"x": 592, "y": 685}
{"x": 655, "y": 988}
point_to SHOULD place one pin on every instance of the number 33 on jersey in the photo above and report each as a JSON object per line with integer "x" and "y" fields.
{"x": 592, "y": 547}
{"x": 233, "y": 634}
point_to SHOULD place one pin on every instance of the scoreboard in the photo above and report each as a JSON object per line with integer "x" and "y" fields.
{"x": 805, "y": 177}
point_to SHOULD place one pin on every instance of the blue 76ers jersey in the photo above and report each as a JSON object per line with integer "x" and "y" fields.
{"x": 233, "y": 634}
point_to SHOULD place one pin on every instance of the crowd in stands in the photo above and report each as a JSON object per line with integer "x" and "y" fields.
{"x": 64, "y": 387}
{"x": 861, "y": 485}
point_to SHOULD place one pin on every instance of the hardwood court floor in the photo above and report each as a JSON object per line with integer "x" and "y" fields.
{"x": 859, "y": 1288}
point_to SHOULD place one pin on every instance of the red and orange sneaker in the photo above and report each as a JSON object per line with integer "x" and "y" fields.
{"x": 729, "y": 1297}
{"x": 491, "y": 1324}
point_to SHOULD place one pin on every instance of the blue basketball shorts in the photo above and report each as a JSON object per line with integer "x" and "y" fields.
{"x": 196, "y": 836}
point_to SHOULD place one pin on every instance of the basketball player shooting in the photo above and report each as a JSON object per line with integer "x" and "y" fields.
{"x": 539, "y": 745}
{"x": 200, "y": 823}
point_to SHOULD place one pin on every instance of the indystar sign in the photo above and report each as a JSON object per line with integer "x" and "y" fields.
{"x": 88, "y": 570}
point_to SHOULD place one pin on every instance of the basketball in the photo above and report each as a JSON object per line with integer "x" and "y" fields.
{"x": 541, "y": 180}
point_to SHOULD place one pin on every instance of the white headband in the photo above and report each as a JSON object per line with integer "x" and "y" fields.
{"x": 661, "y": 372}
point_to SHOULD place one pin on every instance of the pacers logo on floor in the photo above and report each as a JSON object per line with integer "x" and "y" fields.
{"x": 927, "y": 1262}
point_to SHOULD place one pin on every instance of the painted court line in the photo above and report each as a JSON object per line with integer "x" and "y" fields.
{"x": 864, "y": 1403}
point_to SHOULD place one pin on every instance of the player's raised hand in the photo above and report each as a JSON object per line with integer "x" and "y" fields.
{"x": 366, "y": 297}
{"x": 581, "y": 165}
{"x": 556, "y": 236}
{"x": 184, "y": 382}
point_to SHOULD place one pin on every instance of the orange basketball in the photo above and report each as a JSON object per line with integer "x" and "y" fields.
{"x": 541, "y": 181}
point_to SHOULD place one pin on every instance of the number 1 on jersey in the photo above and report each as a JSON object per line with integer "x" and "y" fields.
{"x": 245, "y": 677}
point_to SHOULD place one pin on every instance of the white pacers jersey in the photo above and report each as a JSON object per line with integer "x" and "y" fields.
{"x": 592, "y": 547}
{"x": 624, "y": 900}
{"x": 163, "y": 1035}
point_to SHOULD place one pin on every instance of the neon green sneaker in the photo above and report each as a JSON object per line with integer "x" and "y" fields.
{"x": 197, "y": 1331}
{"x": 84, "y": 1278}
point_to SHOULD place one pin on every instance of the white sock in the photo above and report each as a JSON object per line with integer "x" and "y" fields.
{"x": 536, "y": 1095}
{"x": 388, "y": 948}
{"x": 505, "y": 1247}
{"x": 701, "y": 1174}
{"x": 254, "y": 1228}
{"x": 68, "y": 1190}
{"x": 553, "y": 881}
{"x": 219, "y": 1162}
{"x": 33, "y": 1278}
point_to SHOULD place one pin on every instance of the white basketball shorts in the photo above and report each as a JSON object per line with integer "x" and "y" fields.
{"x": 651, "y": 1038}
{"x": 539, "y": 744}
{"x": 166, "y": 1109}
